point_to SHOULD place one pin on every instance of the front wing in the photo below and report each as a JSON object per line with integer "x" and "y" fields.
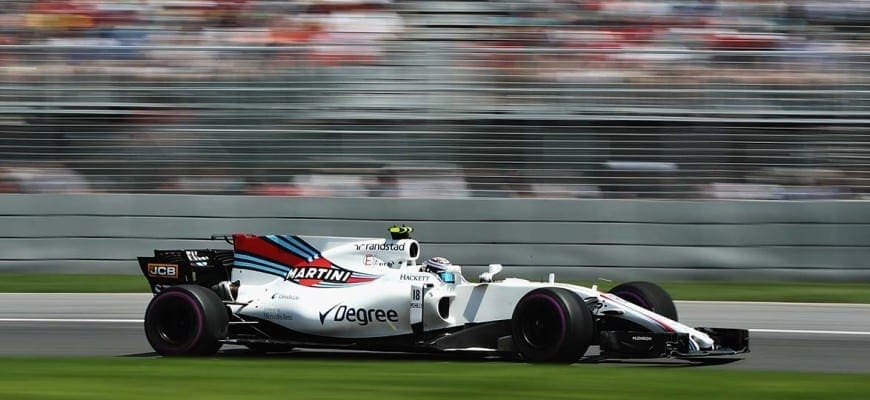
{"x": 624, "y": 344}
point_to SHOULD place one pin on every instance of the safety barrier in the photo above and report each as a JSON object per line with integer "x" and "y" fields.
{"x": 577, "y": 239}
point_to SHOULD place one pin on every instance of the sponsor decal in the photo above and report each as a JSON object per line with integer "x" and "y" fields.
{"x": 284, "y": 296}
{"x": 380, "y": 246}
{"x": 324, "y": 314}
{"x": 276, "y": 315}
{"x": 360, "y": 316}
{"x": 160, "y": 288}
{"x": 642, "y": 338}
{"x": 319, "y": 273}
{"x": 156, "y": 270}
{"x": 371, "y": 261}
{"x": 327, "y": 277}
{"x": 414, "y": 277}
{"x": 195, "y": 259}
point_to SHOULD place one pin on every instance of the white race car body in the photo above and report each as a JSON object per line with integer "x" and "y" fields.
{"x": 373, "y": 293}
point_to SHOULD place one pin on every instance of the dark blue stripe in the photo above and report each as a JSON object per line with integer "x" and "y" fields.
{"x": 258, "y": 268}
{"x": 261, "y": 261}
{"x": 276, "y": 240}
{"x": 302, "y": 244}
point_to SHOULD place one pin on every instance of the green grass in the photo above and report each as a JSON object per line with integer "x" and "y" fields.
{"x": 288, "y": 378}
{"x": 738, "y": 291}
{"x": 72, "y": 283}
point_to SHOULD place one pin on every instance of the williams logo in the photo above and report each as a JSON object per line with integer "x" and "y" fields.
{"x": 163, "y": 270}
{"x": 642, "y": 338}
{"x": 361, "y": 316}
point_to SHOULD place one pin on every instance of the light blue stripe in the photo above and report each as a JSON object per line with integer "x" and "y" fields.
{"x": 295, "y": 250}
{"x": 243, "y": 263}
{"x": 305, "y": 247}
{"x": 259, "y": 268}
{"x": 261, "y": 261}
{"x": 326, "y": 285}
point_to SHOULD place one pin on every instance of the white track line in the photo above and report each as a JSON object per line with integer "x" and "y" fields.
{"x": 810, "y": 332}
{"x": 74, "y": 320}
{"x": 770, "y": 303}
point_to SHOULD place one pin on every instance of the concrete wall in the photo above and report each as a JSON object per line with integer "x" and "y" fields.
{"x": 584, "y": 239}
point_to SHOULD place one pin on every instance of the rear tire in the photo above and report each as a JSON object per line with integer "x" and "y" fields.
{"x": 551, "y": 325}
{"x": 649, "y": 296}
{"x": 186, "y": 320}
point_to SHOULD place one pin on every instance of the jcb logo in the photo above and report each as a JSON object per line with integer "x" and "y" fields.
{"x": 163, "y": 270}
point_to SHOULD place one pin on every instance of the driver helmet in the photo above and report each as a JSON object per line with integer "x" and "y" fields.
{"x": 440, "y": 266}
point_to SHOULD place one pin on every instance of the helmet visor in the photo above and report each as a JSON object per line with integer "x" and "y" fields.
{"x": 447, "y": 277}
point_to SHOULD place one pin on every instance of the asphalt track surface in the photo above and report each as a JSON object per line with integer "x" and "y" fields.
{"x": 783, "y": 336}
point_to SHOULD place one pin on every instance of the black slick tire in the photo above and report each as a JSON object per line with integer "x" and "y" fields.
{"x": 186, "y": 320}
{"x": 649, "y": 296}
{"x": 551, "y": 325}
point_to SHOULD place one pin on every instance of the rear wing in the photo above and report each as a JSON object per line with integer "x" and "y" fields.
{"x": 204, "y": 267}
{"x": 224, "y": 237}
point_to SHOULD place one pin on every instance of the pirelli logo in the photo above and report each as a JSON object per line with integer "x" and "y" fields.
{"x": 156, "y": 270}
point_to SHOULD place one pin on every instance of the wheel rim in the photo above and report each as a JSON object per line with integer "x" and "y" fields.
{"x": 177, "y": 321}
{"x": 543, "y": 322}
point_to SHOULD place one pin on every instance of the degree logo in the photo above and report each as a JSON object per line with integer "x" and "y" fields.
{"x": 362, "y": 316}
{"x": 324, "y": 314}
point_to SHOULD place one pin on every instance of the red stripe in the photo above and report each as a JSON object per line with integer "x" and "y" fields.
{"x": 359, "y": 280}
{"x": 258, "y": 246}
{"x": 320, "y": 262}
{"x": 662, "y": 323}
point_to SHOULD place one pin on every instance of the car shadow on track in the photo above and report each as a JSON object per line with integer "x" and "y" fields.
{"x": 661, "y": 362}
{"x": 359, "y": 355}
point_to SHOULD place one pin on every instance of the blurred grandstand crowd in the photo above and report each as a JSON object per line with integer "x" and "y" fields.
{"x": 749, "y": 99}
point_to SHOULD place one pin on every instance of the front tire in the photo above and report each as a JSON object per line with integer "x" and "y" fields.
{"x": 551, "y": 325}
{"x": 186, "y": 320}
{"x": 649, "y": 296}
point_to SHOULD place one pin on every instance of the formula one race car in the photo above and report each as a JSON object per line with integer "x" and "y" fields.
{"x": 276, "y": 292}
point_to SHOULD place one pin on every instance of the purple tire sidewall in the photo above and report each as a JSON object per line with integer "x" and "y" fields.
{"x": 559, "y": 309}
{"x": 200, "y": 325}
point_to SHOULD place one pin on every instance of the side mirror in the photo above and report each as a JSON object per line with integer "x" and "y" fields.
{"x": 494, "y": 269}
